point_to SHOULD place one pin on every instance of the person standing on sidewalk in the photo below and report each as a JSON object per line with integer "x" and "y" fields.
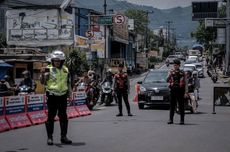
{"x": 177, "y": 80}
{"x": 121, "y": 87}
{"x": 56, "y": 79}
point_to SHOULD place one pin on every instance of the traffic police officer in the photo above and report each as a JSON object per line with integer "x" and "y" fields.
{"x": 56, "y": 79}
{"x": 121, "y": 87}
{"x": 177, "y": 80}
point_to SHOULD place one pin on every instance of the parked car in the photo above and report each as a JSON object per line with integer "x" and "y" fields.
{"x": 154, "y": 89}
{"x": 171, "y": 58}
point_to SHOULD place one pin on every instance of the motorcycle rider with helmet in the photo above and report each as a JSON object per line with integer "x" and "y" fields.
{"x": 56, "y": 79}
{"x": 27, "y": 81}
{"x": 108, "y": 78}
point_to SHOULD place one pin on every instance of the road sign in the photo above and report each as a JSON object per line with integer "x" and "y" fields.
{"x": 119, "y": 19}
{"x": 105, "y": 20}
{"x": 89, "y": 34}
{"x": 215, "y": 22}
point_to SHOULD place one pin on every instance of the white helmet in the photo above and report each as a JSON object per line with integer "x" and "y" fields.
{"x": 109, "y": 70}
{"x": 57, "y": 54}
{"x": 194, "y": 73}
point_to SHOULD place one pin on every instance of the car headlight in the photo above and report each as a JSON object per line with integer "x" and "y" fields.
{"x": 142, "y": 89}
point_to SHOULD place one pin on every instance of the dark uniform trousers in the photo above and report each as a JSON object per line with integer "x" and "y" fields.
{"x": 177, "y": 96}
{"x": 57, "y": 104}
{"x": 122, "y": 93}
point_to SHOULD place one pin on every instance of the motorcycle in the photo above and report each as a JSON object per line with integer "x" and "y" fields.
{"x": 107, "y": 93}
{"x": 92, "y": 93}
{"x": 214, "y": 77}
{"x": 190, "y": 103}
{"x": 25, "y": 90}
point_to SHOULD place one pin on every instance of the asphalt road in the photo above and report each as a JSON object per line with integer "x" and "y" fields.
{"x": 146, "y": 131}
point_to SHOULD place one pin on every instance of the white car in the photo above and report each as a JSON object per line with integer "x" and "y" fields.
{"x": 190, "y": 66}
{"x": 171, "y": 58}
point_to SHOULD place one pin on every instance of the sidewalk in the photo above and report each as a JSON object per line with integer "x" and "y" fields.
{"x": 223, "y": 78}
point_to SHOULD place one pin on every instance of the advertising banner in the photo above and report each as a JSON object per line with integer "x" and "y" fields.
{"x": 79, "y": 98}
{"x": 15, "y": 104}
{"x": 35, "y": 102}
{"x": 1, "y": 105}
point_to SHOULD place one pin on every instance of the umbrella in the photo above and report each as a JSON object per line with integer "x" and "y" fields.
{"x": 4, "y": 64}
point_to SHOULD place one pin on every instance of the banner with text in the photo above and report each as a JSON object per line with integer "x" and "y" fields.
{"x": 15, "y": 104}
{"x": 35, "y": 102}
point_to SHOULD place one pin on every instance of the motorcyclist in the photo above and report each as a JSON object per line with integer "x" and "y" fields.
{"x": 108, "y": 78}
{"x": 191, "y": 89}
{"x": 197, "y": 84}
{"x": 4, "y": 87}
{"x": 28, "y": 81}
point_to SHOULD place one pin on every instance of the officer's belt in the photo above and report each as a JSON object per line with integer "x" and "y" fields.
{"x": 56, "y": 93}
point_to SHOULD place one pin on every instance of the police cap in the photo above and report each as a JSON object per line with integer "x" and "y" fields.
{"x": 176, "y": 61}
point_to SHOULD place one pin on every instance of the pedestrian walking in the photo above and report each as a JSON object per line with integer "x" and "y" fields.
{"x": 56, "y": 79}
{"x": 121, "y": 87}
{"x": 176, "y": 78}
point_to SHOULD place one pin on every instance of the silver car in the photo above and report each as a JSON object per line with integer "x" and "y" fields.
{"x": 200, "y": 69}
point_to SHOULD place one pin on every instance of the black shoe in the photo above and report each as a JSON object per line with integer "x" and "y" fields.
{"x": 130, "y": 115}
{"x": 181, "y": 122}
{"x": 170, "y": 122}
{"x": 50, "y": 141}
{"x": 65, "y": 140}
{"x": 119, "y": 115}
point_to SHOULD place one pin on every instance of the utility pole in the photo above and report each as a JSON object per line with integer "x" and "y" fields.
{"x": 146, "y": 30}
{"x": 227, "y": 56}
{"x": 105, "y": 32}
{"x": 168, "y": 31}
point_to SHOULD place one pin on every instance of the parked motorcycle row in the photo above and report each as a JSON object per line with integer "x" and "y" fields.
{"x": 211, "y": 71}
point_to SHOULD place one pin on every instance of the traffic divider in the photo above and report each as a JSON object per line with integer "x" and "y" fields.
{"x": 71, "y": 111}
{"x": 36, "y": 108}
{"x": 15, "y": 111}
{"x": 3, "y": 123}
{"x": 79, "y": 99}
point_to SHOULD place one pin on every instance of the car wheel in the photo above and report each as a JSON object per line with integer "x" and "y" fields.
{"x": 141, "y": 105}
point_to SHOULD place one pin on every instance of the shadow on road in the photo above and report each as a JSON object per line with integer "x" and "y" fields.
{"x": 73, "y": 144}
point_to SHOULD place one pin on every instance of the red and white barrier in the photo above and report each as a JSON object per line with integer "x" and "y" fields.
{"x": 36, "y": 108}
{"x": 3, "y": 123}
{"x": 26, "y": 110}
{"x": 15, "y": 110}
{"x": 79, "y": 99}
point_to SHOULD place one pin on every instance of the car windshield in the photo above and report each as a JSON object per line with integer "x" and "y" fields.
{"x": 189, "y": 67}
{"x": 190, "y": 61}
{"x": 199, "y": 66}
{"x": 171, "y": 56}
{"x": 156, "y": 77}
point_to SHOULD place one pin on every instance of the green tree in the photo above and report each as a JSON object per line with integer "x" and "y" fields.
{"x": 140, "y": 19}
{"x": 204, "y": 35}
{"x": 76, "y": 62}
{"x": 3, "y": 40}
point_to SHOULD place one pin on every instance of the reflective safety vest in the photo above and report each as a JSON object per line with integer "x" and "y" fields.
{"x": 57, "y": 83}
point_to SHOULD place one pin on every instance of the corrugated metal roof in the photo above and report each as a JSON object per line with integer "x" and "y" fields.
{"x": 29, "y": 3}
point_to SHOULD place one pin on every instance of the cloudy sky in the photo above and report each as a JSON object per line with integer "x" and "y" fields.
{"x": 165, "y": 4}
